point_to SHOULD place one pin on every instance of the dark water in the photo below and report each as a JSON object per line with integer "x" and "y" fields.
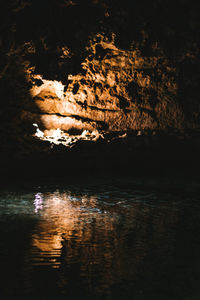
{"x": 118, "y": 239}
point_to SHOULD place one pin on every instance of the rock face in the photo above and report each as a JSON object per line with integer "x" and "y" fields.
{"x": 116, "y": 90}
{"x": 100, "y": 66}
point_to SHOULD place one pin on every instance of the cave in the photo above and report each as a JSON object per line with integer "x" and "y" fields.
{"x": 119, "y": 79}
{"x": 99, "y": 149}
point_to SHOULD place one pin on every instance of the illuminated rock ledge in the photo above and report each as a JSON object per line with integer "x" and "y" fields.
{"x": 118, "y": 86}
{"x": 58, "y": 137}
{"x": 114, "y": 92}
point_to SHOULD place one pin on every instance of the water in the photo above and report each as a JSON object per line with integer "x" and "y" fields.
{"x": 103, "y": 239}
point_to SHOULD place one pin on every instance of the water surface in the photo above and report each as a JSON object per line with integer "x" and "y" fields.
{"x": 116, "y": 239}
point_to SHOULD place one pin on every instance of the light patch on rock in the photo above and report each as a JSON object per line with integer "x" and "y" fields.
{"x": 52, "y": 86}
{"x": 59, "y": 137}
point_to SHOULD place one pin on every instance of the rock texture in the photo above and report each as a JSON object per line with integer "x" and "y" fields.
{"x": 115, "y": 91}
{"x": 120, "y": 69}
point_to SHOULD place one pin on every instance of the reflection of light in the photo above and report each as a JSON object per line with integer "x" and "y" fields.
{"x": 67, "y": 217}
{"x": 57, "y": 136}
{"x": 38, "y": 202}
{"x": 39, "y": 133}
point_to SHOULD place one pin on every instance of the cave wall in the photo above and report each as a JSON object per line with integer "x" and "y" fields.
{"x": 116, "y": 90}
{"x": 98, "y": 65}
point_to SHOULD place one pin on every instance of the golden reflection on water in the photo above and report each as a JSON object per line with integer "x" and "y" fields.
{"x": 66, "y": 220}
{"x": 101, "y": 242}
{"x": 82, "y": 237}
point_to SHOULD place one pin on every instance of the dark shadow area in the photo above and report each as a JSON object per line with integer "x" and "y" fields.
{"x": 153, "y": 27}
{"x": 101, "y": 238}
